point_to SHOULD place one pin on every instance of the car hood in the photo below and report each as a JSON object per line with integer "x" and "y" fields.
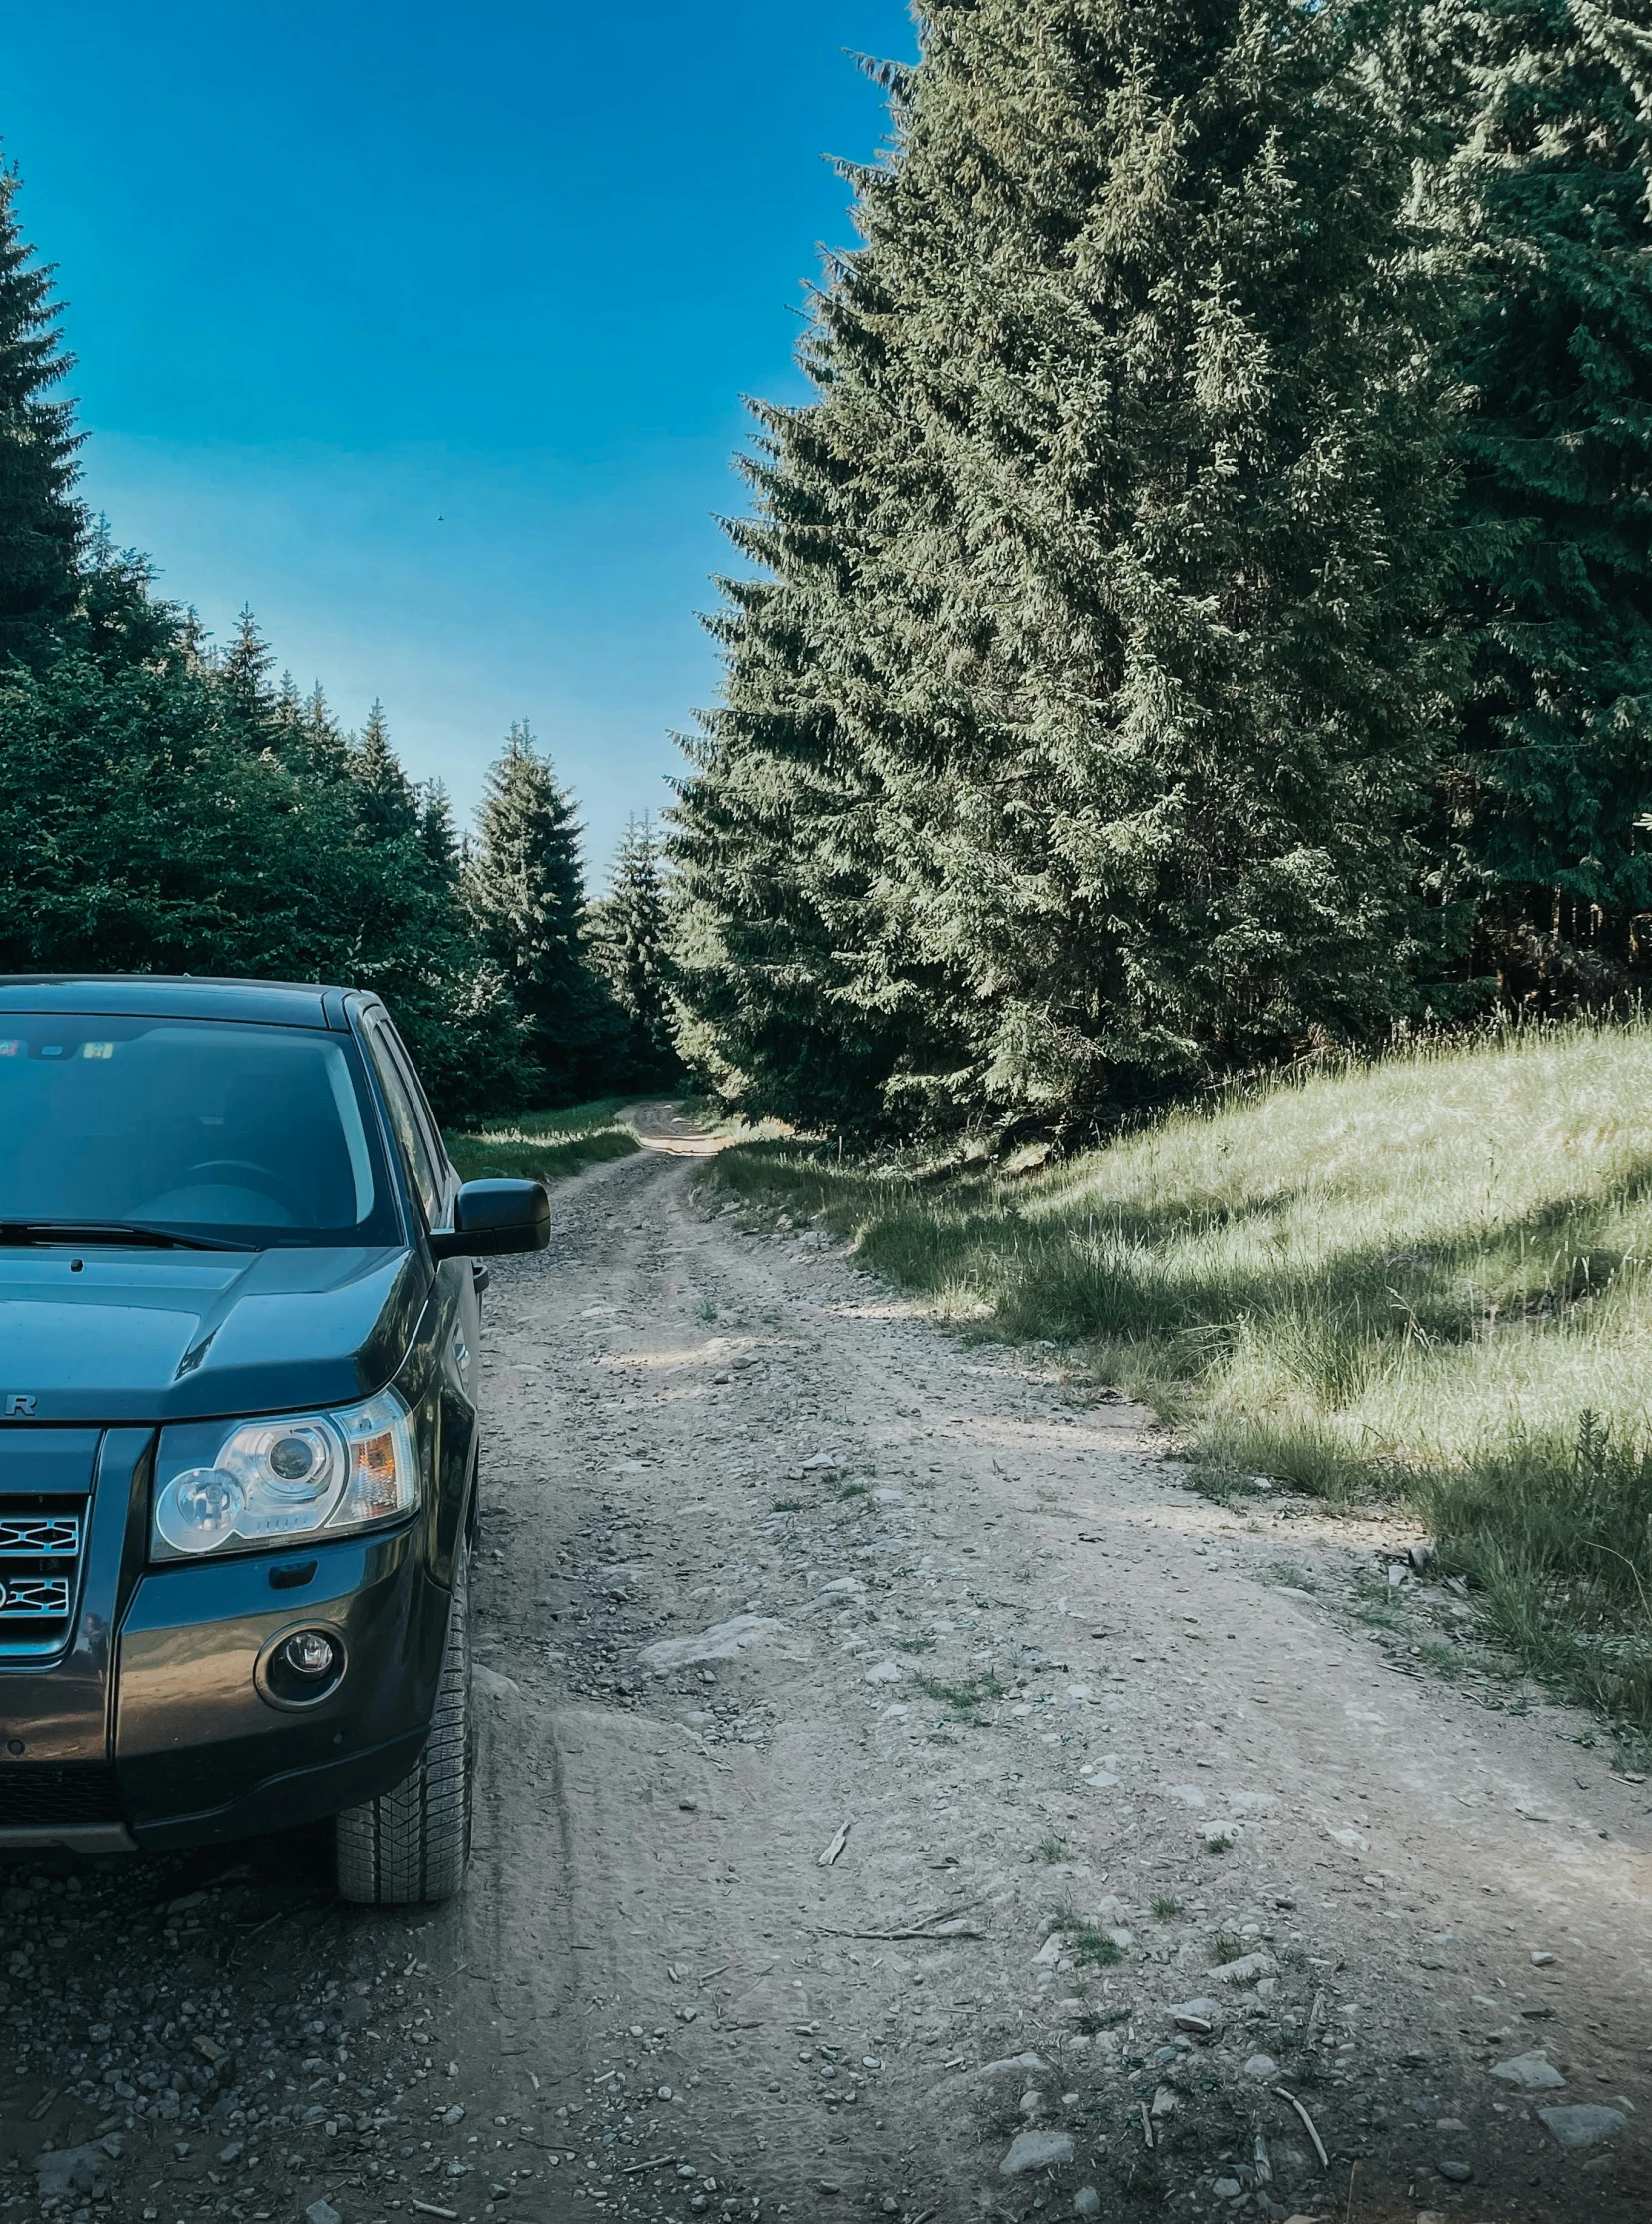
{"x": 125, "y": 1336}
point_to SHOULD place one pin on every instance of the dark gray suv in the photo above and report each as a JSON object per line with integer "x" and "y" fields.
{"x": 238, "y": 1330}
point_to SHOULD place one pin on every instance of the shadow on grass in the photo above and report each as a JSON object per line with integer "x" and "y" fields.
{"x": 1137, "y": 1274}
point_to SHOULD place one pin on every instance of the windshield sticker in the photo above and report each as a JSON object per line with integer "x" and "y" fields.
{"x": 11, "y": 1048}
{"x": 96, "y": 1050}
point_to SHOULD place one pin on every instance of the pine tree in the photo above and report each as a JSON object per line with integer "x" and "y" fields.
{"x": 628, "y": 934}
{"x": 40, "y": 523}
{"x": 527, "y": 889}
{"x": 119, "y": 621}
{"x": 1072, "y": 729}
{"x": 1549, "y": 198}
{"x": 385, "y": 799}
{"x": 437, "y": 835}
{"x": 250, "y": 702}
{"x": 319, "y": 745}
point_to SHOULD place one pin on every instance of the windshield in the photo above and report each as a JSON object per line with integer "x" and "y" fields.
{"x": 254, "y": 1135}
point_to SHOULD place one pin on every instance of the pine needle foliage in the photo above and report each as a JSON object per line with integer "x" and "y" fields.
{"x": 138, "y": 832}
{"x": 629, "y": 933}
{"x": 42, "y": 526}
{"x": 1547, "y": 196}
{"x": 525, "y": 886}
{"x": 1072, "y": 719}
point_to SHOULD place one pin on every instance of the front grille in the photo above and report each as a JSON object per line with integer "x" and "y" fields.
{"x": 39, "y": 1795}
{"x": 56, "y": 1535}
{"x": 41, "y": 1543}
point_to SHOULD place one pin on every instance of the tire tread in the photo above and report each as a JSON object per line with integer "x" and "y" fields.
{"x": 410, "y": 1845}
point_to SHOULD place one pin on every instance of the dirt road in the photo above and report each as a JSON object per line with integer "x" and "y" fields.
{"x": 1146, "y": 1830}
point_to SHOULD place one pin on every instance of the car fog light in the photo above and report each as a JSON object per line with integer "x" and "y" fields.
{"x": 300, "y": 1667}
{"x": 308, "y": 1652}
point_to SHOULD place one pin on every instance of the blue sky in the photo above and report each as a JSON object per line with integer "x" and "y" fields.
{"x": 424, "y": 330}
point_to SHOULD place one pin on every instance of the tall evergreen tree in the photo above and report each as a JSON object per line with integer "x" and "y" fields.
{"x": 384, "y": 798}
{"x": 1548, "y": 193}
{"x": 1073, "y": 726}
{"x": 119, "y": 621}
{"x": 319, "y": 745}
{"x": 40, "y": 523}
{"x": 437, "y": 835}
{"x": 630, "y": 928}
{"x": 527, "y": 889}
{"x": 251, "y": 703}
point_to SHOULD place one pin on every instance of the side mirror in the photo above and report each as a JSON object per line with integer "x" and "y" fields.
{"x": 494, "y": 1217}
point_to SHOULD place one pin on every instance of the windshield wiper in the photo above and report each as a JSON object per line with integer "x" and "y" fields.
{"x": 112, "y": 1232}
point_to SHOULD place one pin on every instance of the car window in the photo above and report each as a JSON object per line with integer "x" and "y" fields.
{"x": 405, "y": 1120}
{"x": 420, "y": 1103}
{"x": 252, "y": 1131}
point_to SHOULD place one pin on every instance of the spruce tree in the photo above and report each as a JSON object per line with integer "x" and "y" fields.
{"x": 319, "y": 745}
{"x": 630, "y": 928}
{"x": 525, "y": 885}
{"x": 40, "y": 523}
{"x": 437, "y": 836}
{"x": 251, "y": 704}
{"x": 385, "y": 799}
{"x": 1548, "y": 198}
{"x": 1073, "y": 726}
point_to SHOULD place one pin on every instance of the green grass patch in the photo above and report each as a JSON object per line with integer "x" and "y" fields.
{"x": 543, "y": 1147}
{"x": 1426, "y": 1279}
{"x": 1094, "y": 1949}
{"x": 963, "y": 1698}
{"x": 1050, "y": 1849}
{"x": 1219, "y": 1843}
{"x": 1167, "y": 1909}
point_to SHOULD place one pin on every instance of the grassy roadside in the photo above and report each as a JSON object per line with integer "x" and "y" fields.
{"x": 1427, "y": 1278}
{"x": 544, "y": 1146}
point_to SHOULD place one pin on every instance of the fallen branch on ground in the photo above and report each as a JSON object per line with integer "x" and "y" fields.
{"x": 1312, "y": 2128}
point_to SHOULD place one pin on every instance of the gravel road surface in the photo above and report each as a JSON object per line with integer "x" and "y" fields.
{"x": 899, "y": 1797}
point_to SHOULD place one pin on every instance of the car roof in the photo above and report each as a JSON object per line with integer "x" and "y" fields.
{"x": 179, "y": 996}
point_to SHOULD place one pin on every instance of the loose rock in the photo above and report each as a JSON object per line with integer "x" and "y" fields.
{"x": 1036, "y": 2150}
{"x": 1583, "y": 2126}
{"x": 65, "y": 2170}
{"x": 724, "y": 1641}
{"x": 1534, "y": 2072}
{"x": 1246, "y": 1971}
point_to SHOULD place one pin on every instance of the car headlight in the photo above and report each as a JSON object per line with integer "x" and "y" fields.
{"x": 302, "y": 1475}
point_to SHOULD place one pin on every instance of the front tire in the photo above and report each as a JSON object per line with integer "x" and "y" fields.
{"x": 412, "y": 1844}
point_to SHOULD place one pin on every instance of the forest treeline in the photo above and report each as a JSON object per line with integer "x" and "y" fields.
{"x": 1204, "y": 614}
{"x": 168, "y": 806}
{"x": 1201, "y": 617}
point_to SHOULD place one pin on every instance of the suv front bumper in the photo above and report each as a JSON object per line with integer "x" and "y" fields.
{"x": 152, "y": 1728}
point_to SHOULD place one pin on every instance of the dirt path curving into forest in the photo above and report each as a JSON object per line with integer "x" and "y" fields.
{"x": 941, "y": 1597}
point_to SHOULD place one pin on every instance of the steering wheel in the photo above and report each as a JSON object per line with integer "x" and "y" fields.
{"x": 264, "y": 1182}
